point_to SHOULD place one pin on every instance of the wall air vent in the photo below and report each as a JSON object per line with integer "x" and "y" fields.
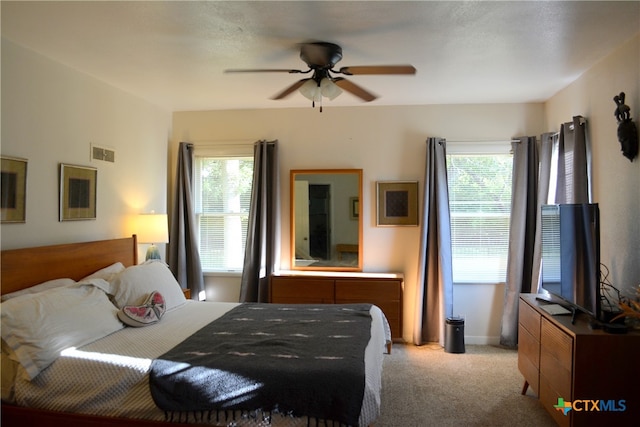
{"x": 103, "y": 154}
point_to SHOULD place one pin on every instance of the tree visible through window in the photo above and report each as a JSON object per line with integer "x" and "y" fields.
{"x": 480, "y": 206}
{"x": 223, "y": 195}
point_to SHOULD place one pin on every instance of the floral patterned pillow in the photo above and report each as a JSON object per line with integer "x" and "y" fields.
{"x": 150, "y": 312}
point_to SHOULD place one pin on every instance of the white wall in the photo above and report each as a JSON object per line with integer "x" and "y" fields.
{"x": 388, "y": 143}
{"x": 51, "y": 114}
{"x": 616, "y": 180}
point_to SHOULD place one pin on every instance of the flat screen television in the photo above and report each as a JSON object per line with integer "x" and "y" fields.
{"x": 571, "y": 255}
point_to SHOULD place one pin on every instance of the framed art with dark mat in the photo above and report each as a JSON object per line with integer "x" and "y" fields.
{"x": 397, "y": 203}
{"x": 77, "y": 192}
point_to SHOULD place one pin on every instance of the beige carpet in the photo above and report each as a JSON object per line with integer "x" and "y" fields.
{"x": 425, "y": 386}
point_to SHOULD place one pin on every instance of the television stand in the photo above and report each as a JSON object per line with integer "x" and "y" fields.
{"x": 562, "y": 358}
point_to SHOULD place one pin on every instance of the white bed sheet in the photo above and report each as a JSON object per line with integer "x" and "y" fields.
{"x": 109, "y": 377}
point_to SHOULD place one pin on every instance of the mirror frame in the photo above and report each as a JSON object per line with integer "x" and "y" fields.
{"x": 293, "y": 174}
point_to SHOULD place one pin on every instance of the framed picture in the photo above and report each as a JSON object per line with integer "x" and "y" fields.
{"x": 354, "y": 208}
{"x": 13, "y": 197}
{"x": 397, "y": 203}
{"x": 77, "y": 192}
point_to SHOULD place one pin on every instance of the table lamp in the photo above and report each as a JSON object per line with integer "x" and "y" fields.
{"x": 153, "y": 229}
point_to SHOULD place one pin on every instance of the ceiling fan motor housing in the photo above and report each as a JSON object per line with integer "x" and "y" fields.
{"x": 320, "y": 55}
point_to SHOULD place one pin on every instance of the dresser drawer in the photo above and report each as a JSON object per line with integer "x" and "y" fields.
{"x": 368, "y": 290}
{"x": 558, "y": 344}
{"x": 529, "y": 319}
{"x": 289, "y": 290}
{"x": 556, "y": 359}
{"x": 557, "y": 377}
{"x": 549, "y": 397}
{"x": 529, "y": 358}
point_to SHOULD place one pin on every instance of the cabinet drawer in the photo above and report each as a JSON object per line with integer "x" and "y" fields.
{"x": 528, "y": 346}
{"x": 558, "y": 344}
{"x": 556, "y": 359}
{"x": 286, "y": 290}
{"x": 557, "y": 377}
{"x": 529, "y": 358}
{"x": 549, "y": 398}
{"x": 369, "y": 290}
{"x": 529, "y": 319}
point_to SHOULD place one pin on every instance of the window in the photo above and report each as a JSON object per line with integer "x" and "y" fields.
{"x": 480, "y": 206}
{"x": 222, "y": 194}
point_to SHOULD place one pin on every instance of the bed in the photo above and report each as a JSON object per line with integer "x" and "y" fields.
{"x": 120, "y": 363}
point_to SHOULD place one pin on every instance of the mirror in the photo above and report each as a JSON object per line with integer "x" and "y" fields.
{"x": 326, "y": 225}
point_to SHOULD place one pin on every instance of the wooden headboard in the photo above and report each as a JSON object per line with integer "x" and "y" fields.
{"x": 22, "y": 268}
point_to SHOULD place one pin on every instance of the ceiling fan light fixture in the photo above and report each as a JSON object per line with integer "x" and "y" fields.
{"x": 329, "y": 89}
{"x": 310, "y": 90}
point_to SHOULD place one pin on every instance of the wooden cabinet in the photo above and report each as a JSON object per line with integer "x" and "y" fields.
{"x": 383, "y": 290}
{"x": 596, "y": 372}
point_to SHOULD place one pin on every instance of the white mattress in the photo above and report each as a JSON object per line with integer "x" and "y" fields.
{"x": 110, "y": 376}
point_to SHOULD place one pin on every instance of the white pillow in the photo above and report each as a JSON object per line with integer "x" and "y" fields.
{"x": 108, "y": 273}
{"x": 50, "y": 284}
{"x": 9, "y": 371}
{"x": 38, "y": 327}
{"x": 134, "y": 285}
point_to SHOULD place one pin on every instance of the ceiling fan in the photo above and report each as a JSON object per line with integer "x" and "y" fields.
{"x": 321, "y": 57}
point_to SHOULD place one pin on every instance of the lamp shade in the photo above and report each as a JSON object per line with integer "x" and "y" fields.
{"x": 329, "y": 89}
{"x": 152, "y": 228}
{"x": 311, "y": 90}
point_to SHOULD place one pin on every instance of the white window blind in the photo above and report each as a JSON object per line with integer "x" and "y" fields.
{"x": 222, "y": 194}
{"x": 480, "y": 207}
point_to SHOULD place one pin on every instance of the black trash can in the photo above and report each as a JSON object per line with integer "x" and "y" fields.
{"x": 454, "y": 335}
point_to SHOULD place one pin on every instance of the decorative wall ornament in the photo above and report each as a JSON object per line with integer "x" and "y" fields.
{"x": 627, "y": 131}
{"x": 397, "y": 203}
{"x": 13, "y": 196}
{"x": 77, "y": 192}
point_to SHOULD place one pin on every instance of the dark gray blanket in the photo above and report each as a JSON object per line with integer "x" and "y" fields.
{"x": 301, "y": 360}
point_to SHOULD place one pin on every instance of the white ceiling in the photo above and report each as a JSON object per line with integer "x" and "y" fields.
{"x": 173, "y": 54}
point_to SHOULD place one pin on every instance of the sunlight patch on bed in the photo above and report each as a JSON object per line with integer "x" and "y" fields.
{"x": 137, "y": 363}
{"x": 217, "y": 385}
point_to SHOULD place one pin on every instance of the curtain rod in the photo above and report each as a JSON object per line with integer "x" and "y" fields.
{"x": 227, "y": 143}
{"x": 476, "y": 141}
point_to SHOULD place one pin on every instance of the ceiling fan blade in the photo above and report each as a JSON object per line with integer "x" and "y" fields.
{"x": 288, "y": 91}
{"x": 378, "y": 69}
{"x": 354, "y": 89}
{"x": 265, "y": 70}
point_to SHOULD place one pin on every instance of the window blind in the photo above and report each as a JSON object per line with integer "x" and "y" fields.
{"x": 223, "y": 195}
{"x": 480, "y": 208}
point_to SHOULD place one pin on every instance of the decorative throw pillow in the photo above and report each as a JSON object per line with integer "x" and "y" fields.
{"x": 133, "y": 285}
{"x": 146, "y": 314}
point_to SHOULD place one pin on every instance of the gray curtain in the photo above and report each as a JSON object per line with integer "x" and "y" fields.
{"x": 574, "y": 163}
{"x": 545, "y": 150}
{"x": 434, "y": 293}
{"x": 522, "y": 233}
{"x": 263, "y": 233}
{"x": 184, "y": 258}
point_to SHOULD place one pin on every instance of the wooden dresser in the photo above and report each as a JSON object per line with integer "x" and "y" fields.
{"x": 383, "y": 290}
{"x": 581, "y": 365}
